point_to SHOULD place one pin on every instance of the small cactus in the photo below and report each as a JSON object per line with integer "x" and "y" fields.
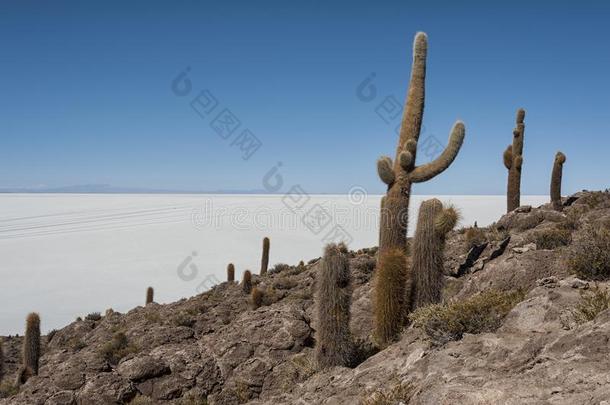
{"x": 389, "y": 296}
{"x": 560, "y": 159}
{"x": 334, "y": 346}
{"x": 265, "y": 258}
{"x": 31, "y": 343}
{"x": 246, "y": 282}
{"x": 230, "y": 273}
{"x": 433, "y": 224}
{"x": 513, "y": 161}
{"x": 150, "y": 295}
{"x": 257, "y": 297}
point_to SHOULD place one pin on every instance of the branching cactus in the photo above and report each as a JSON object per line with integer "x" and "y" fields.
{"x": 433, "y": 224}
{"x": 150, "y": 295}
{"x": 400, "y": 174}
{"x": 31, "y": 343}
{"x": 265, "y": 259}
{"x": 230, "y": 273}
{"x": 246, "y": 282}
{"x": 513, "y": 161}
{"x": 560, "y": 159}
{"x": 334, "y": 345}
{"x": 390, "y": 296}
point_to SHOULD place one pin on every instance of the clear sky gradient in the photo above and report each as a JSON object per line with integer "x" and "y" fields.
{"x": 86, "y": 91}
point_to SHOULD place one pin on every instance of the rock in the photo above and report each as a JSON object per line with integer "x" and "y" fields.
{"x": 524, "y": 249}
{"x": 548, "y": 282}
{"x": 577, "y": 283}
{"x": 523, "y": 209}
{"x": 471, "y": 258}
{"x": 142, "y": 368}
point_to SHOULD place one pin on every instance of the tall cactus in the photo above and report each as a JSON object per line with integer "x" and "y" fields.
{"x": 513, "y": 161}
{"x": 433, "y": 224}
{"x": 401, "y": 173}
{"x": 150, "y": 295}
{"x": 389, "y": 296}
{"x": 31, "y": 343}
{"x": 265, "y": 258}
{"x": 230, "y": 273}
{"x": 333, "y": 299}
{"x": 560, "y": 159}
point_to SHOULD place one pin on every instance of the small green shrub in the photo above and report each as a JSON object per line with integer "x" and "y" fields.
{"x": 591, "y": 304}
{"x": 483, "y": 312}
{"x": 400, "y": 394}
{"x": 117, "y": 348}
{"x": 473, "y": 237}
{"x": 183, "y": 319}
{"x": 551, "y": 238}
{"x": 152, "y": 317}
{"x": 589, "y": 255}
{"x": 8, "y": 390}
{"x": 93, "y": 316}
{"x": 141, "y": 400}
{"x": 280, "y": 267}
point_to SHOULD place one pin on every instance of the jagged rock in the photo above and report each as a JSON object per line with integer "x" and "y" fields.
{"x": 471, "y": 258}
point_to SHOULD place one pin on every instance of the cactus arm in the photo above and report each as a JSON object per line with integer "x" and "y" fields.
{"x": 412, "y": 117}
{"x": 385, "y": 170}
{"x": 508, "y": 157}
{"x": 437, "y": 166}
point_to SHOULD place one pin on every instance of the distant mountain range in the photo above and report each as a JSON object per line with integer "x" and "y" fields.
{"x": 108, "y": 189}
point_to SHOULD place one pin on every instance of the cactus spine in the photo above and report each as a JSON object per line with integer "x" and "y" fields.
{"x": 333, "y": 299}
{"x": 230, "y": 273}
{"x": 31, "y": 343}
{"x": 150, "y": 294}
{"x": 560, "y": 159}
{"x": 265, "y": 259}
{"x": 246, "y": 282}
{"x": 433, "y": 224}
{"x": 513, "y": 161}
{"x": 403, "y": 172}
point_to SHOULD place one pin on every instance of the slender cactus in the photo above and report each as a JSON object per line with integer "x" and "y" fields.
{"x": 560, "y": 159}
{"x": 230, "y": 273}
{"x": 31, "y": 343}
{"x": 513, "y": 161}
{"x": 334, "y": 345}
{"x": 433, "y": 224}
{"x": 403, "y": 172}
{"x": 246, "y": 282}
{"x": 150, "y": 294}
{"x": 390, "y": 296}
{"x": 265, "y": 259}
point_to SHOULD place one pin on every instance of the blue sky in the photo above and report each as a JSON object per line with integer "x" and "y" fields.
{"x": 87, "y": 97}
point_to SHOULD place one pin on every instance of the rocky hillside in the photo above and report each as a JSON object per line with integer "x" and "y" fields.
{"x": 553, "y": 346}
